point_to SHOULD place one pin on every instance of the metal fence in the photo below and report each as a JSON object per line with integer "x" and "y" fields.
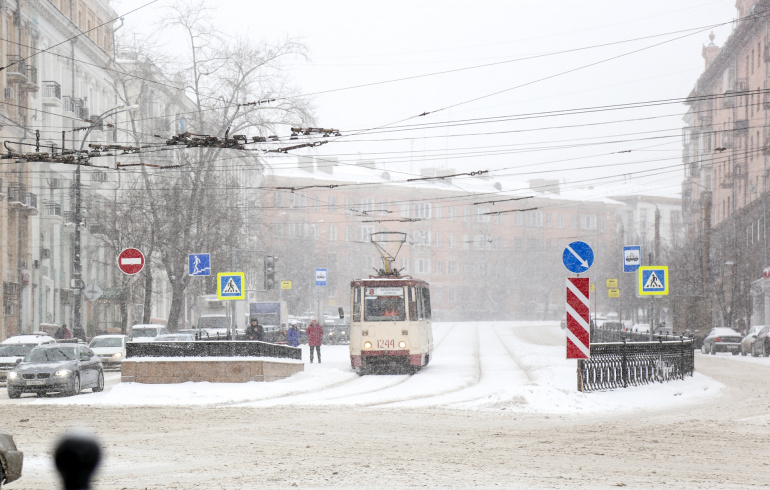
{"x": 215, "y": 348}
{"x": 620, "y": 364}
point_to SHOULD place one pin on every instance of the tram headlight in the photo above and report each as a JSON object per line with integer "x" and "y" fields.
{"x": 402, "y": 344}
{"x": 367, "y": 345}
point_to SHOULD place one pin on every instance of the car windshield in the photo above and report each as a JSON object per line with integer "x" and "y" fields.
{"x": 55, "y": 354}
{"x": 16, "y": 350}
{"x": 144, "y": 332}
{"x": 106, "y": 342}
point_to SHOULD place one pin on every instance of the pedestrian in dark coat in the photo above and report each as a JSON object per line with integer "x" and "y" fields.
{"x": 292, "y": 336}
{"x": 315, "y": 334}
{"x": 255, "y": 331}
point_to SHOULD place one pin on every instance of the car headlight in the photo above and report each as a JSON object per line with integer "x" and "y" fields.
{"x": 13, "y": 375}
{"x": 367, "y": 345}
{"x": 63, "y": 372}
{"x": 117, "y": 354}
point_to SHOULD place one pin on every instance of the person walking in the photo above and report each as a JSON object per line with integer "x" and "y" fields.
{"x": 255, "y": 331}
{"x": 61, "y": 332}
{"x": 315, "y": 334}
{"x": 292, "y": 337}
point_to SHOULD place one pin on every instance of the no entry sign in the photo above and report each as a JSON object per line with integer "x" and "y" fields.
{"x": 578, "y": 329}
{"x": 130, "y": 261}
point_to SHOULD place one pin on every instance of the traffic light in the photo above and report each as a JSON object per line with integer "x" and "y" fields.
{"x": 269, "y": 272}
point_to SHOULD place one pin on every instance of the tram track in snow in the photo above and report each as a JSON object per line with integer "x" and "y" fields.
{"x": 355, "y": 379}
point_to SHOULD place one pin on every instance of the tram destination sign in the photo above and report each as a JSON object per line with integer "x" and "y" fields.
{"x": 386, "y": 291}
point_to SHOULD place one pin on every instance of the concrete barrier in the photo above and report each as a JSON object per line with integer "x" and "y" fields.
{"x": 167, "y": 370}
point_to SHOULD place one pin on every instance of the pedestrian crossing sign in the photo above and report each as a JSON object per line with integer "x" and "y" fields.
{"x": 230, "y": 285}
{"x": 653, "y": 280}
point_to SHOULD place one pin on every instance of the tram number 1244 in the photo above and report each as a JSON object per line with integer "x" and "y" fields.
{"x": 386, "y": 344}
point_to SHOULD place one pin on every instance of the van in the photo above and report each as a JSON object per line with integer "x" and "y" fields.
{"x": 146, "y": 332}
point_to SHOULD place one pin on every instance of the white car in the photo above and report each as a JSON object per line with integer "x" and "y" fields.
{"x": 749, "y": 338}
{"x": 111, "y": 348}
{"x": 146, "y": 332}
{"x": 14, "y": 348}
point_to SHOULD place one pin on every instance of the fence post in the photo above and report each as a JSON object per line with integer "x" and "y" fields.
{"x": 624, "y": 365}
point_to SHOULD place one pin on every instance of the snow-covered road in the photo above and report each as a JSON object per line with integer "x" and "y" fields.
{"x": 495, "y": 394}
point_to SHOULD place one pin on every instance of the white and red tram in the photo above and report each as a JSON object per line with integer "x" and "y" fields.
{"x": 390, "y": 328}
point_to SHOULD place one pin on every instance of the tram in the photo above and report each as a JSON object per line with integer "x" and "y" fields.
{"x": 390, "y": 318}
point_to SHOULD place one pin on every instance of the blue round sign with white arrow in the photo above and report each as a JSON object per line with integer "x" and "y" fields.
{"x": 578, "y": 257}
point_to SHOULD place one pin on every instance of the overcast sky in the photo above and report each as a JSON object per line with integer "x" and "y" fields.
{"x": 476, "y": 67}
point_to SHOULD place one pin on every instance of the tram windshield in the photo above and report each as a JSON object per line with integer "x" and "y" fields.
{"x": 385, "y": 304}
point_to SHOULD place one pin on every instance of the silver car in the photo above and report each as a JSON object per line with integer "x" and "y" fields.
{"x": 62, "y": 368}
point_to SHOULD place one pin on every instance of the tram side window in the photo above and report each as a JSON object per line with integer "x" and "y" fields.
{"x": 425, "y": 302}
{"x": 356, "y": 313}
{"x": 412, "y": 304}
{"x": 384, "y": 308}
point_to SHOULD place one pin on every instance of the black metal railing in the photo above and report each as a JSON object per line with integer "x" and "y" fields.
{"x": 216, "y": 348}
{"x": 620, "y": 364}
{"x": 51, "y": 89}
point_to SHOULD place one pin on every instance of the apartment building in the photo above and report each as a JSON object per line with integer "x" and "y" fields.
{"x": 490, "y": 249}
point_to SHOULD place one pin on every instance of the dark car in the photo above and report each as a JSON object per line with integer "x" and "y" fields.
{"x": 761, "y": 344}
{"x": 62, "y": 368}
{"x": 722, "y": 339}
{"x": 11, "y": 459}
{"x": 337, "y": 333}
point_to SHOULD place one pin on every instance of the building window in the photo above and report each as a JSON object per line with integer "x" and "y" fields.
{"x": 535, "y": 218}
{"x": 331, "y": 204}
{"x": 451, "y": 268}
{"x": 365, "y": 233}
{"x": 560, "y": 220}
{"x": 466, "y": 244}
{"x": 422, "y": 266}
{"x": 439, "y": 269}
{"x": 498, "y": 219}
{"x": 368, "y": 205}
{"x": 277, "y": 200}
{"x": 587, "y": 222}
{"x": 332, "y": 232}
{"x": 437, "y": 212}
{"x": 405, "y": 265}
{"x": 405, "y": 210}
{"x": 437, "y": 236}
{"x": 450, "y": 294}
{"x": 466, "y": 214}
{"x": 422, "y": 238}
{"x": 548, "y": 223}
{"x": 452, "y": 240}
{"x": 347, "y": 234}
{"x": 518, "y": 219}
{"x": 422, "y": 210}
{"x": 574, "y": 222}
{"x": 452, "y": 213}
{"x": 482, "y": 215}
{"x": 348, "y": 210}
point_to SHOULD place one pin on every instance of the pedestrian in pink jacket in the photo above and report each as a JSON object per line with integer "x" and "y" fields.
{"x": 315, "y": 334}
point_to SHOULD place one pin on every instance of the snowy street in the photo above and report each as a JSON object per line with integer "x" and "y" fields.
{"x": 496, "y": 407}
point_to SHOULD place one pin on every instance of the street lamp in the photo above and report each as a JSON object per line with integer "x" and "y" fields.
{"x": 77, "y": 280}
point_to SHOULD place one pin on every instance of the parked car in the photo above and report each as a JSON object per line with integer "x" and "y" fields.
{"x": 615, "y": 326}
{"x": 62, "y": 368}
{"x": 761, "y": 345}
{"x": 641, "y": 328}
{"x": 145, "y": 332}
{"x": 15, "y": 348}
{"x": 749, "y": 339}
{"x": 11, "y": 459}
{"x": 175, "y": 337}
{"x": 111, "y": 348}
{"x": 722, "y": 339}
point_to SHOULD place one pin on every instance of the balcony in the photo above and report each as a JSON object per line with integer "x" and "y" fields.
{"x": 81, "y": 112}
{"x": 51, "y": 93}
{"x": 26, "y": 201}
{"x": 17, "y": 72}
